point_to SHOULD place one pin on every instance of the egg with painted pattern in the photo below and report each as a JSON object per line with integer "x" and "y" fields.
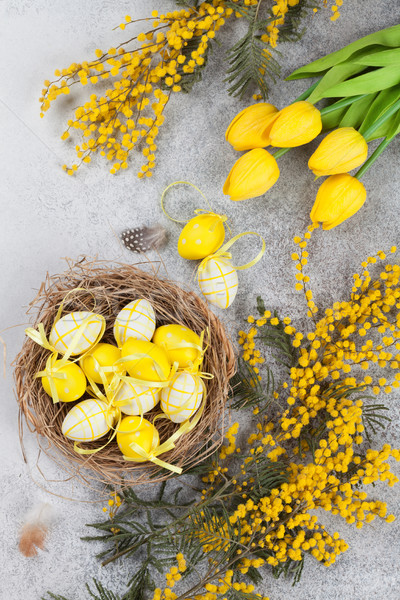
{"x": 202, "y": 236}
{"x": 87, "y": 421}
{"x": 83, "y": 328}
{"x": 178, "y": 341}
{"x": 136, "y": 430}
{"x": 149, "y": 362}
{"x": 218, "y": 281}
{"x": 101, "y": 356}
{"x": 69, "y": 381}
{"x": 182, "y": 398}
{"x": 136, "y": 320}
{"x": 134, "y": 399}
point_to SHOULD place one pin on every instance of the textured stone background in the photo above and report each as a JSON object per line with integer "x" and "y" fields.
{"x": 47, "y": 215}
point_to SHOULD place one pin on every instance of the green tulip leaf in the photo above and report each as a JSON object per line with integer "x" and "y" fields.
{"x": 389, "y": 37}
{"x": 332, "y": 119}
{"x": 384, "y": 129}
{"x": 382, "y": 102}
{"x": 380, "y": 59}
{"x": 334, "y": 76}
{"x": 367, "y": 83}
{"x": 354, "y": 114}
{"x": 394, "y": 127}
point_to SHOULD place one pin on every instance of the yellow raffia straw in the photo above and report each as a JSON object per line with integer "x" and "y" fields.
{"x": 197, "y": 211}
{"x": 222, "y": 253}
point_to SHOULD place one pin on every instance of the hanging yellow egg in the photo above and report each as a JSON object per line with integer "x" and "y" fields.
{"x": 87, "y": 421}
{"x": 136, "y": 320}
{"x": 64, "y": 332}
{"x": 134, "y": 399}
{"x": 138, "y": 431}
{"x": 69, "y": 381}
{"x": 218, "y": 281}
{"x": 181, "y": 344}
{"x": 181, "y": 399}
{"x": 202, "y": 236}
{"x": 149, "y": 362}
{"x": 105, "y": 355}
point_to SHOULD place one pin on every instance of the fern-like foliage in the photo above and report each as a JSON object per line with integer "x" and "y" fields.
{"x": 373, "y": 418}
{"x": 291, "y": 568}
{"x": 101, "y": 592}
{"x": 267, "y": 475}
{"x": 250, "y": 59}
{"x": 253, "y": 61}
{"x": 246, "y": 389}
{"x": 275, "y": 338}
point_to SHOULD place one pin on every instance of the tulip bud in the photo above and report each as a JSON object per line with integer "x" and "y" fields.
{"x": 251, "y": 175}
{"x": 338, "y": 198}
{"x": 339, "y": 152}
{"x": 250, "y": 128}
{"x": 295, "y": 125}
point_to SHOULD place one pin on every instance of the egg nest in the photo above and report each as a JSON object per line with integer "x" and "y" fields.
{"x": 105, "y": 288}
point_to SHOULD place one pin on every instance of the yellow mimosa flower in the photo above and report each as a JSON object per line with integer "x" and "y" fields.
{"x": 338, "y": 198}
{"x": 295, "y": 125}
{"x": 252, "y": 175}
{"x": 250, "y": 128}
{"x": 340, "y": 151}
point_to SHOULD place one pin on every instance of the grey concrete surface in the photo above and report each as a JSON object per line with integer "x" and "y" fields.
{"x": 46, "y": 215}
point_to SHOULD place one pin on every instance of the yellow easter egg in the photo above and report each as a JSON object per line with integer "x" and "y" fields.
{"x": 181, "y": 399}
{"x": 149, "y": 362}
{"x": 86, "y": 421}
{"x": 178, "y": 342}
{"x": 218, "y": 281}
{"x": 69, "y": 381}
{"x": 134, "y": 399}
{"x": 105, "y": 355}
{"x": 64, "y": 332}
{"x": 138, "y": 431}
{"x": 202, "y": 236}
{"x": 136, "y": 320}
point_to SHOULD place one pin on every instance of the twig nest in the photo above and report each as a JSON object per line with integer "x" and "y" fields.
{"x": 99, "y": 292}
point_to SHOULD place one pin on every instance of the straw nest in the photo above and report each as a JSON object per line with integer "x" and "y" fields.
{"x": 106, "y": 289}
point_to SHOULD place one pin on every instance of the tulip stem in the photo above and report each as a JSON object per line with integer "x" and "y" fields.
{"x": 307, "y": 93}
{"x": 384, "y": 143}
{"x": 341, "y": 104}
{"x": 280, "y": 152}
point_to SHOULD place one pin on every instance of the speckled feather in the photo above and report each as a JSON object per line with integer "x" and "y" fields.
{"x": 143, "y": 239}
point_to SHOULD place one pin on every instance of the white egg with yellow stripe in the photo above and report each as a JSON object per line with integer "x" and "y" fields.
{"x": 136, "y": 320}
{"x": 82, "y": 330}
{"x": 181, "y": 399}
{"x": 87, "y": 421}
{"x": 134, "y": 399}
{"x": 218, "y": 281}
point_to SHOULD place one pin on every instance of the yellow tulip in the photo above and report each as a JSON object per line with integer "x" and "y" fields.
{"x": 295, "y": 125}
{"x": 339, "y": 152}
{"x": 250, "y": 128}
{"x": 338, "y": 198}
{"x": 252, "y": 175}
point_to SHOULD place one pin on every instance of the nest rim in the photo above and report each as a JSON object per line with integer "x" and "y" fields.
{"x": 105, "y": 287}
